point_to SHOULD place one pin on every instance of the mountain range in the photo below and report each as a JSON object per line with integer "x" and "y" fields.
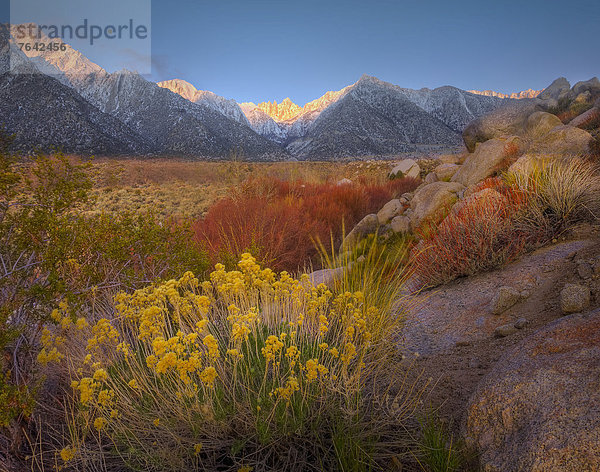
{"x": 62, "y": 99}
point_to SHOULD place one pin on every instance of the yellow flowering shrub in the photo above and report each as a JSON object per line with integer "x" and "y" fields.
{"x": 187, "y": 373}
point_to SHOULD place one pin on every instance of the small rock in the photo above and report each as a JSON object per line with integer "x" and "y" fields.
{"x": 521, "y": 323}
{"x": 431, "y": 178}
{"x": 407, "y": 195}
{"x": 525, "y": 294}
{"x": 505, "y": 298}
{"x": 463, "y": 342}
{"x": 405, "y": 168}
{"x": 504, "y": 330}
{"x": 390, "y": 210}
{"x": 574, "y": 298}
{"x": 584, "y": 269}
{"x": 446, "y": 171}
{"x": 361, "y": 259}
{"x": 344, "y": 182}
{"x": 401, "y": 224}
{"x": 403, "y": 200}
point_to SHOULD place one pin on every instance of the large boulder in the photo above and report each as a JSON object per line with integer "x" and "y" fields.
{"x": 563, "y": 140}
{"x": 540, "y": 123}
{"x": 528, "y": 163}
{"x": 588, "y": 119}
{"x": 537, "y": 410}
{"x": 326, "y": 276}
{"x": 592, "y": 86}
{"x": 368, "y": 225}
{"x": 488, "y": 158}
{"x": 508, "y": 120}
{"x": 405, "y": 168}
{"x": 556, "y": 90}
{"x": 487, "y": 198}
{"x": 430, "y": 199}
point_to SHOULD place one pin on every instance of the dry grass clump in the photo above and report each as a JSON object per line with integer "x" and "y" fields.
{"x": 562, "y": 192}
{"x": 182, "y": 189}
{"x": 169, "y": 200}
{"x": 249, "y": 369}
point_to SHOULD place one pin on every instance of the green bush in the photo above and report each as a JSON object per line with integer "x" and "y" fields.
{"x": 50, "y": 251}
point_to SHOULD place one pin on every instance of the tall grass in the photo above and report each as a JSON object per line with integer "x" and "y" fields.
{"x": 439, "y": 450}
{"x": 561, "y": 192}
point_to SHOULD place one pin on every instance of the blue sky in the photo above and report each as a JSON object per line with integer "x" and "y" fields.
{"x": 264, "y": 50}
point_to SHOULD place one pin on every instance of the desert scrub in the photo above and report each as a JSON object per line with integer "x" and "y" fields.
{"x": 250, "y": 368}
{"x": 480, "y": 233}
{"x": 285, "y": 220}
{"x": 561, "y": 191}
{"x": 50, "y": 251}
{"x": 507, "y": 216}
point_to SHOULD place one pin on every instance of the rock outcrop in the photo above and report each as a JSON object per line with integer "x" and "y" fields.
{"x": 367, "y": 225}
{"x": 556, "y": 90}
{"x": 564, "y": 140}
{"x": 538, "y": 409}
{"x": 390, "y": 210}
{"x": 446, "y": 171}
{"x": 540, "y": 123}
{"x": 506, "y": 121}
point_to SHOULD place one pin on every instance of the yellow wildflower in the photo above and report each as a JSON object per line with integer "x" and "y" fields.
{"x": 67, "y": 453}
{"x": 105, "y": 397}
{"x": 272, "y": 347}
{"x": 99, "y": 423}
{"x": 211, "y": 343}
{"x": 208, "y": 376}
{"x": 313, "y": 369}
{"x": 168, "y": 361}
{"x": 100, "y": 375}
{"x": 133, "y": 383}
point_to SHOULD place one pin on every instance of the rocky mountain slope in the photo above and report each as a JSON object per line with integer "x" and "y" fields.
{"x": 229, "y": 108}
{"x": 369, "y": 117}
{"x": 529, "y": 93}
{"x": 316, "y": 131}
{"x": 170, "y": 124}
{"x": 375, "y": 117}
{"x": 59, "y": 117}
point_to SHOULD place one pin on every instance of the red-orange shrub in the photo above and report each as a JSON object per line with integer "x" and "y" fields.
{"x": 280, "y": 221}
{"x": 482, "y": 235}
